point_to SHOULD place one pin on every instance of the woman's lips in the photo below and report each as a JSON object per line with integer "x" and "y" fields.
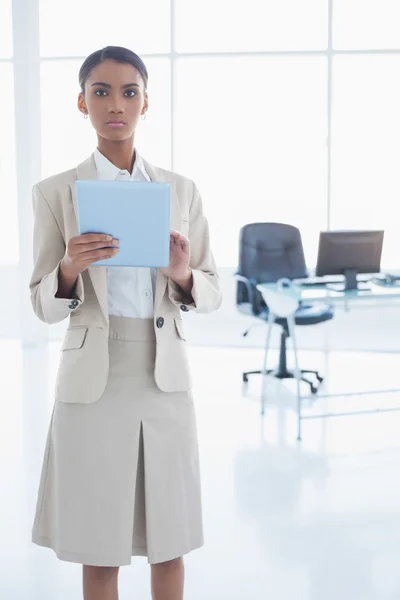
{"x": 116, "y": 124}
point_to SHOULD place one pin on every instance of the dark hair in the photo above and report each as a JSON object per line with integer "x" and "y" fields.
{"x": 120, "y": 55}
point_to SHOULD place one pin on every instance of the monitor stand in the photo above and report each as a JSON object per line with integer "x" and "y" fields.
{"x": 351, "y": 283}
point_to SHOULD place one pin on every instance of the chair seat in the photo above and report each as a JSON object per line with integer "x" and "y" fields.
{"x": 307, "y": 314}
{"x": 311, "y": 314}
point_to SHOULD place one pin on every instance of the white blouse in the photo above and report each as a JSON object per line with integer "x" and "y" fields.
{"x": 130, "y": 289}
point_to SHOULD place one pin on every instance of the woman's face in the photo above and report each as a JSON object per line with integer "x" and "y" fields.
{"x": 114, "y": 99}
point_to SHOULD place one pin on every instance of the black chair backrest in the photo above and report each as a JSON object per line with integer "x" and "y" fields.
{"x": 267, "y": 252}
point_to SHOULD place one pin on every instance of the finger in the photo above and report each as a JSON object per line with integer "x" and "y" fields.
{"x": 175, "y": 233}
{"x": 177, "y": 237}
{"x": 184, "y": 241}
{"x": 80, "y": 249}
{"x": 89, "y": 257}
{"x": 181, "y": 241}
{"x": 88, "y": 238}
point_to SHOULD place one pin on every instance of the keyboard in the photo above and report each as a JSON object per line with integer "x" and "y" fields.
{"x": 387, "y": 281}
{"x": 324, "y": 281}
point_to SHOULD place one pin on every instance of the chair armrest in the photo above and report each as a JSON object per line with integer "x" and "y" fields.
{"x": 247, "y": 283}
{"x": 254, "y": 296}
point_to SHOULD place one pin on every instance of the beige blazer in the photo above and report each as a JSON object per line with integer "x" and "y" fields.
{"x": 83, "y": 370}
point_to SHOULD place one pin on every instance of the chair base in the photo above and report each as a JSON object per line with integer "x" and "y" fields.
{"x": 286, "y": 374}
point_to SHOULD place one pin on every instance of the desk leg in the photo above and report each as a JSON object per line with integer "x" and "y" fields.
{"x": 292, "y": 328}
{"x": 271, "y": 321}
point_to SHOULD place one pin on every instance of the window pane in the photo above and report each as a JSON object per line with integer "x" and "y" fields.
{"x": 252, "y": 133}
{"x": 9, "y": 251}
{"x": 365, "y": 148}
{"x": 366, "y": 24}
{"x": 144, "y": 27}
{"x": 5, "y": 29}
{"x": 67, "y": 138}
{"x": 231, "y": 26}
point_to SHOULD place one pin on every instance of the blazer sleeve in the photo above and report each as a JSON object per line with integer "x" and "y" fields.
{"x": 206, "y": 293}
{"x": 48, "y": 251}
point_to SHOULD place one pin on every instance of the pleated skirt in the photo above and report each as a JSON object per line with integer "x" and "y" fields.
{"x": 120, "y": 476}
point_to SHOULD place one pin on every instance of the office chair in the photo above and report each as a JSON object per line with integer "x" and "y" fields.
{"x": 267, "y": 253}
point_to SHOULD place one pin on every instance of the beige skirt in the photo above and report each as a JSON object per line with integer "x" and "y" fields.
{"x": 120, "y": 476}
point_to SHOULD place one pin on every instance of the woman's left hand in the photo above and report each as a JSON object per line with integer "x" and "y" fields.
{"x": 179, "y": 258}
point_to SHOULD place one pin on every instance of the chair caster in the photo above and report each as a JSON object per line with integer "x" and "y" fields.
{"x": 320, "y": 379}
{"x": 314, "y": 390}
{"x": 245, "y": 378}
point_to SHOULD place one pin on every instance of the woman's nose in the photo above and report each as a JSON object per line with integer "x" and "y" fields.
{"x": 116, "y": 109}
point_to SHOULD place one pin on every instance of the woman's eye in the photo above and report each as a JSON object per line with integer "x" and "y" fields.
{"x": 100, "y": 92}
{"x": 130, "y": 93}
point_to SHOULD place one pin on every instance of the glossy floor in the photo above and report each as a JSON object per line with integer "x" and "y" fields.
{"x": 318, "y": 520}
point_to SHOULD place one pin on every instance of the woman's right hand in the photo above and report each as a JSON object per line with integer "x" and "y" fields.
{"x": 84, "y": 250}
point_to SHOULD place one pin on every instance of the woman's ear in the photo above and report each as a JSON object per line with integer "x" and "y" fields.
{"x": 145, "y": 104}
{"x": 82, "y": 104}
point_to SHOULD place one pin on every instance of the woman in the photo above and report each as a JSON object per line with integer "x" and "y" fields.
{"x": 120, "y": 474}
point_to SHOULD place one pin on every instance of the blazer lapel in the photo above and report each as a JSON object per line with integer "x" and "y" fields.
{"x": 161, "y": 176}
{"x": 98, "y": 275}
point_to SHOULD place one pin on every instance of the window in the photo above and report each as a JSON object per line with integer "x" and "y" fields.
{"x": 68, "y": 139}
{"x": 77, "y": 28}
{"x": 252, "y": 25}
{"x": 251, "y": 132}
{"x": 9, "y": 252}
{"x": 6, "y": 41}
{"x": 366, "y": 24}
{"x": 366, "y": 148}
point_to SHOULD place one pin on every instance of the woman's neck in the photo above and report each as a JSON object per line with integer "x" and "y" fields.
{"x": 121, "y": 154}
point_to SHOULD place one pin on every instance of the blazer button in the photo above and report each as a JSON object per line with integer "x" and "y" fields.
{"x": 74, "y": 304}
{"x": 160, "y": 322}
{"x": 184, "y": 308}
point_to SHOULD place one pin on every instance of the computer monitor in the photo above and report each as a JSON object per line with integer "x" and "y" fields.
{"x": 349, "y": 253}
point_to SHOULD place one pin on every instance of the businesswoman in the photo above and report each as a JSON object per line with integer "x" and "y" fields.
{"x": 120, "y": 474}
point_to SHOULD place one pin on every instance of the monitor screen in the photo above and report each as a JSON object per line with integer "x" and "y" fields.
{"x": 349, "y": 252}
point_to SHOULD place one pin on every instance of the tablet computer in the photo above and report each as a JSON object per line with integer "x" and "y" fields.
{"x": 135, "y": 213}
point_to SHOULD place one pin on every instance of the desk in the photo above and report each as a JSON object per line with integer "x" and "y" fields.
{"x": 320, "y": 293}
{"x": 314, "y": 293}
